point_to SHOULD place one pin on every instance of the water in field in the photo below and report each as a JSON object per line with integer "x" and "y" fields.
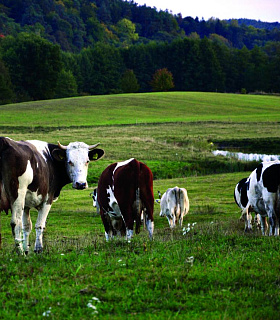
{"x": 247, "y": 156}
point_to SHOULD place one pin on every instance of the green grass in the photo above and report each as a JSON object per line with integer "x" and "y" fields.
{"x": 142, "y": 108}
{"x": 233, "y": 275}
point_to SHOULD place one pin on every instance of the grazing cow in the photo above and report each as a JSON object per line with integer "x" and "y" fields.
{"x": 264, "y": 193}
{"x": 125, "y": 190}
{"x": 241, "y": 199}
{"x": 174, "y": 205}
{"x": 32, "y": 174}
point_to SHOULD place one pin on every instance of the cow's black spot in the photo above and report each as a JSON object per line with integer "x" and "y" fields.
{"x": 244, "y": 197}
{"x": 241, "y": 184}
{"x": 271, "y": 178}
{"x": 259, "y": 171}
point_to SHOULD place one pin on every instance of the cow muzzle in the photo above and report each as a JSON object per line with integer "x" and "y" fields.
{"x": 80, "y": 185}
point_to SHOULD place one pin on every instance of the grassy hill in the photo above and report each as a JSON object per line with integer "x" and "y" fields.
{"x": 141, "y": 108}
{"x": 213, "y": 271}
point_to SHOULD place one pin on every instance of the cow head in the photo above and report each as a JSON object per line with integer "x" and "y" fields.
{"x": 77, "y": 156}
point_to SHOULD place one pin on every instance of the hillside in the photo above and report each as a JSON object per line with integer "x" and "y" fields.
{"x": 78, "y": 24}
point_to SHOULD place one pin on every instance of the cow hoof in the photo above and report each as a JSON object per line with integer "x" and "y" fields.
{"x": 38, "y": 250}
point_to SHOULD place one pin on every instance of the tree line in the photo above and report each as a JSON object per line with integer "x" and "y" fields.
{"x": 78, "y": 24}
{"x": 33, "y": 68}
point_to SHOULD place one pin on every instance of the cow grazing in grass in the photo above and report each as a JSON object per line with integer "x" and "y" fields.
{"x": 174, "y": 205}
{"x": 264, "y": 194}
{"x": 241, "y": 199}
{"x": 32, "y": 174}
{"x": 125, "y": 190}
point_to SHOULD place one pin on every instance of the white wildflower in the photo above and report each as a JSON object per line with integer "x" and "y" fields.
{"x": 90, "y": 305}
{"x": 47, "y": 313}
{"x": 190, "y": 260}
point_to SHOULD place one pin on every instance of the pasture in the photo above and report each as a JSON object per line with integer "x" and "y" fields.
{"x": 212, "y": 271}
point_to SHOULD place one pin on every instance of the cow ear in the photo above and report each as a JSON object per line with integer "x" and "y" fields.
{"x": 96, "y": 154}
{"x": 59, "y": 154}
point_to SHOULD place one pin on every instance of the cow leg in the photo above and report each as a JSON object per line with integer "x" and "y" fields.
{"x": 263, "y": 225}
{"x": 40, "y": 226}
{"x": 107, "y": 226}
{"x": 16, "y": 221}
{"x": 26, "y": 228}
{"x": 18, "y": 205}
{"x": 276, "y": 232}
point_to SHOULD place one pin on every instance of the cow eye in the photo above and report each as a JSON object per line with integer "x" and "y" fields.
{"x": 87, "y": 162}
{"x": 70, "y": 163}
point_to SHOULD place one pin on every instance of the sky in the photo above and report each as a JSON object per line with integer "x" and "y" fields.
{"x": 264, "y": 10}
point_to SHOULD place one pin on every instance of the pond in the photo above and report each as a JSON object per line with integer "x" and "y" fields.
{"x": 246, "y": 156}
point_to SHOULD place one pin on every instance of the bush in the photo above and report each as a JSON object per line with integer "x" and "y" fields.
{"x": 162, "y": 80}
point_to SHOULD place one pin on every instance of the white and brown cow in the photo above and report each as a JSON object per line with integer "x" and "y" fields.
{"x": 174, "y": 205}
{"x": 32, "y": 174}
{"x": 125, "y": 189}
{"x": 264, "y": 194}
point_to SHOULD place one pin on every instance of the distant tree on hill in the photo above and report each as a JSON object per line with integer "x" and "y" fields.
{"x": 34, "y": 65}
{"x": 129, "y": 82}
{"x": 6, "y": 92}
{"x": 162, "y": 80}
{"x": 66, "y": 85}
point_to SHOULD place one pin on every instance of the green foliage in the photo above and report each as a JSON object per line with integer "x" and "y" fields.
{"x": 162, "y": 80}
{"x": 34, "y": 65}
{"x": 6, "y": 91}
{"x": 66, "y": 85}
{"x": 129, "y": 82}
{"x": 126, "y": 32}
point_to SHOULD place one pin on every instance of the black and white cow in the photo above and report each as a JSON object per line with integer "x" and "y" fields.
{"x": 125, "y": 190}
{"x": 32, "y": 174}
{"x": 241, "y": 199}
{"x": 174, "y": 205}
{"x": 264, "y": 193}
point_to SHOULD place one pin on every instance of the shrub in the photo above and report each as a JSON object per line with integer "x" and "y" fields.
{"x": 162, "y": 80}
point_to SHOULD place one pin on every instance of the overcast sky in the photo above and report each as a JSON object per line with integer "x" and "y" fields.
{"x": 264, "y": 10}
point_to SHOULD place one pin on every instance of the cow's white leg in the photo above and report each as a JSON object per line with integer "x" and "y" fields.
{"x": 17, "y": 207}
{"x": 16, "y": 224}
{"x": 109, "y": 235}
{"x": 129, "y": 234}
{"x": 150, "y": 227}
{"x": 263, "y": 223}
{"x": 40, "y": 226}
{"x": 276, "y": 232}
{"x": 26, "y": 228}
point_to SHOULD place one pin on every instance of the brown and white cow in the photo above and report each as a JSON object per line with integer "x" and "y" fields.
{"x": 32, "y": 174}
{"x": 174, "y": 204}
{"x": 125, "y": 189}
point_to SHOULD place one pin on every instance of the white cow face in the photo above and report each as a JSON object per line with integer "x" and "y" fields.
{"x": 77, "y": 156}
{"x": 77, "y": 161}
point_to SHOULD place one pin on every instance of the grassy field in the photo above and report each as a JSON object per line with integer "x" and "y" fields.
{"x": 214, "y": 271}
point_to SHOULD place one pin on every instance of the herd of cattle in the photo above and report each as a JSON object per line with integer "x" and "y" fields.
{"x": 33, "y": 172}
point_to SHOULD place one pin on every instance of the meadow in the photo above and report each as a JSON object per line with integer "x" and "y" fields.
{"x": 212, "y": 271}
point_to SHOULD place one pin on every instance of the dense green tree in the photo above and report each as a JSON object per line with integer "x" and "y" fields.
{"x": 129, "y": 82}
{"x": 34, "y": 65}
{"x": 101, "y": 68}
{"x": 6, "y": 91}
{"x": 162, "y": 80}
{"x": 126, "y": 31}
{"x": 66, "y": 85}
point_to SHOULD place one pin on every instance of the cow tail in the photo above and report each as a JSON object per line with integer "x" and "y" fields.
{"x": 137, "y": 180}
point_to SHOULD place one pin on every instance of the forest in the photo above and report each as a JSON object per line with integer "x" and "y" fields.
{"x": 54, "y": 49}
